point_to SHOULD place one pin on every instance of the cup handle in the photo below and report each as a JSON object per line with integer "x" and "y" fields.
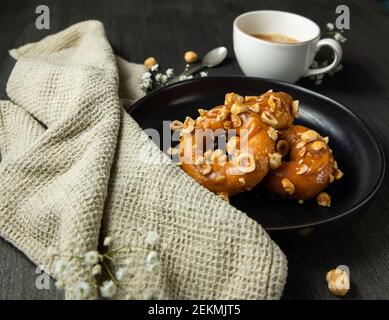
{"x": 336, "y": 47}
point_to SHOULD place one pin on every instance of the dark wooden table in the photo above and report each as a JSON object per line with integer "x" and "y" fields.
{"x": 166, "y": 29}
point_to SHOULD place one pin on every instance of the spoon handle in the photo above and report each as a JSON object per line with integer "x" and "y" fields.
{"x": 195, "y": 69}
{"x": 188, "y": 73}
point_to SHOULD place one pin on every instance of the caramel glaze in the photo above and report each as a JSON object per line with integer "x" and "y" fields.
{"x": 320, "y": 163}
{"x": 234, "y": 181}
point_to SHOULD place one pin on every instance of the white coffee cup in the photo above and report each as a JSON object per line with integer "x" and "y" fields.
{"x": 280, "y": 61}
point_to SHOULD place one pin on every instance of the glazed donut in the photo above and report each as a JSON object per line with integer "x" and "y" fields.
{"x": 310, "y": 168}
{"x": 277, "y": 109}
{"x": 248, "y": 154}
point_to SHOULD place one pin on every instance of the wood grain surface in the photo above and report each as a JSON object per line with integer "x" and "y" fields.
{"x": 166, "y": 29}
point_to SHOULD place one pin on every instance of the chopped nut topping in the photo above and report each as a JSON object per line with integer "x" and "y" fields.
{"x": 301, "y": 201}
{"x": 238, "y": 108}
{"x": 272, "y": 133}
{"x": 296, "y": 108}
{"x": 288, "y": 186}
{"x": 188, "y": 125}
{"x": 303, "y": 169}
{"x": 335, "y": 165}
{"x": 275, "y": 160}
{"x": 318, "y": 145}
{"x": 176, "y": 125}
{"x": 224, "y": 196}
{"x": 326, "y": 140}
{"x": 268, "y": 118}
{"x": 323, "y": 199}
{"x": 202, "y": 112}
{"x": 338, "y": 281}
{"x": 254, "y": 107}
{"x": 222, "y": 115}
{"x": 242, "y": 181}
{"x": 338, "y": 174}
{"x": 273, "y": 102}
{"x": 301, "y": 152}
{"x": 232, "y": 98}
{"x": 300, "y": 161}
{"x": 310, "y": 135}
{"x": 300, "y": 144}
{"x": 205, "y": 169}
{"x": 282, "y": 147}
{"x": 246, "y": 162}
{"x": 236, "y": 121}
{"x": 250, "y": 98}
{"x": 332, "y": 178}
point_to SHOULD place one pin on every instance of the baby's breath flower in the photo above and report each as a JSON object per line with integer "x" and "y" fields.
{"x": 154, "y": 67}
{"x": 107, "y": 241}
{"x": 158, "y": 77}
{"x": 147, "y": 83}
{"x": 52, "y": 252}
{"x": 146, "y": 75}
{"x": 330, "y": 26}
{"x": 152, "y": 238}
{"x": 120, "y": 273}
{"x": 203, "y": 74}
{"x": 169, "y": 72}
{"x": 61, "y": 267}
{"x": 91, "y": 258}
{"x": 164, "y": 78}
{"x": 96, "y": 270}
{"x": 108, "y": 289}
{"x": 81, "y": 290}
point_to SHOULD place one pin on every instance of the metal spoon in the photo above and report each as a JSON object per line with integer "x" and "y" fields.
{"x": 211, "y": 59}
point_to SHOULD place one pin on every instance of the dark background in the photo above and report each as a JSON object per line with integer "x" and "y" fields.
{"x": 166, "y": 29}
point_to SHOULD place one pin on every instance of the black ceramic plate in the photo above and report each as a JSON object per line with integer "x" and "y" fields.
{"x": 357, "y": 151}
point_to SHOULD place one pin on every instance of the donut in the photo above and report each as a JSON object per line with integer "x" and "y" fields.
{"x": 244, "y": 159}
{"x": 277, "y": 109}
{"x": 308, "y": 166}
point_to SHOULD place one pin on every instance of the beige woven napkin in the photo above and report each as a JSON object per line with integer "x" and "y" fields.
{"x": 74, "y": 169}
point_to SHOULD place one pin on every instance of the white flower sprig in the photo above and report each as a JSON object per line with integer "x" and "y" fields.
{"x": 154, "y": 79}
{"x": 338, "y": 36}
{"x": 97, "y": 262}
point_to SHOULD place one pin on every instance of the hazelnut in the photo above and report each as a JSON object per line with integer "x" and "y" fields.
{"x": 318, "y": 145}
{"x": 338, "y": 174}
{"x": 269, "y": 119}
{"x": 273, "y": 134}
{"x": 310, "y": 135}
{"x": 275, "y": 160}
{"x": 288, "y": 186}
{"x": 246, "y": 162}
{"x": 236, "y": 121}
{"x": 188, "y": 126}
{"x": 149, "y": 62}
{"x": 205, "y": 169}
{"x": 323, "y": 199}
{"x": 176, "y": 125}
{"x": 190, "y": 56}
{"x": 303, "y": 169}
{"x": 296, "y": 108}
{"x": 339, "y": 281}
{"x": 224, "y": 196}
